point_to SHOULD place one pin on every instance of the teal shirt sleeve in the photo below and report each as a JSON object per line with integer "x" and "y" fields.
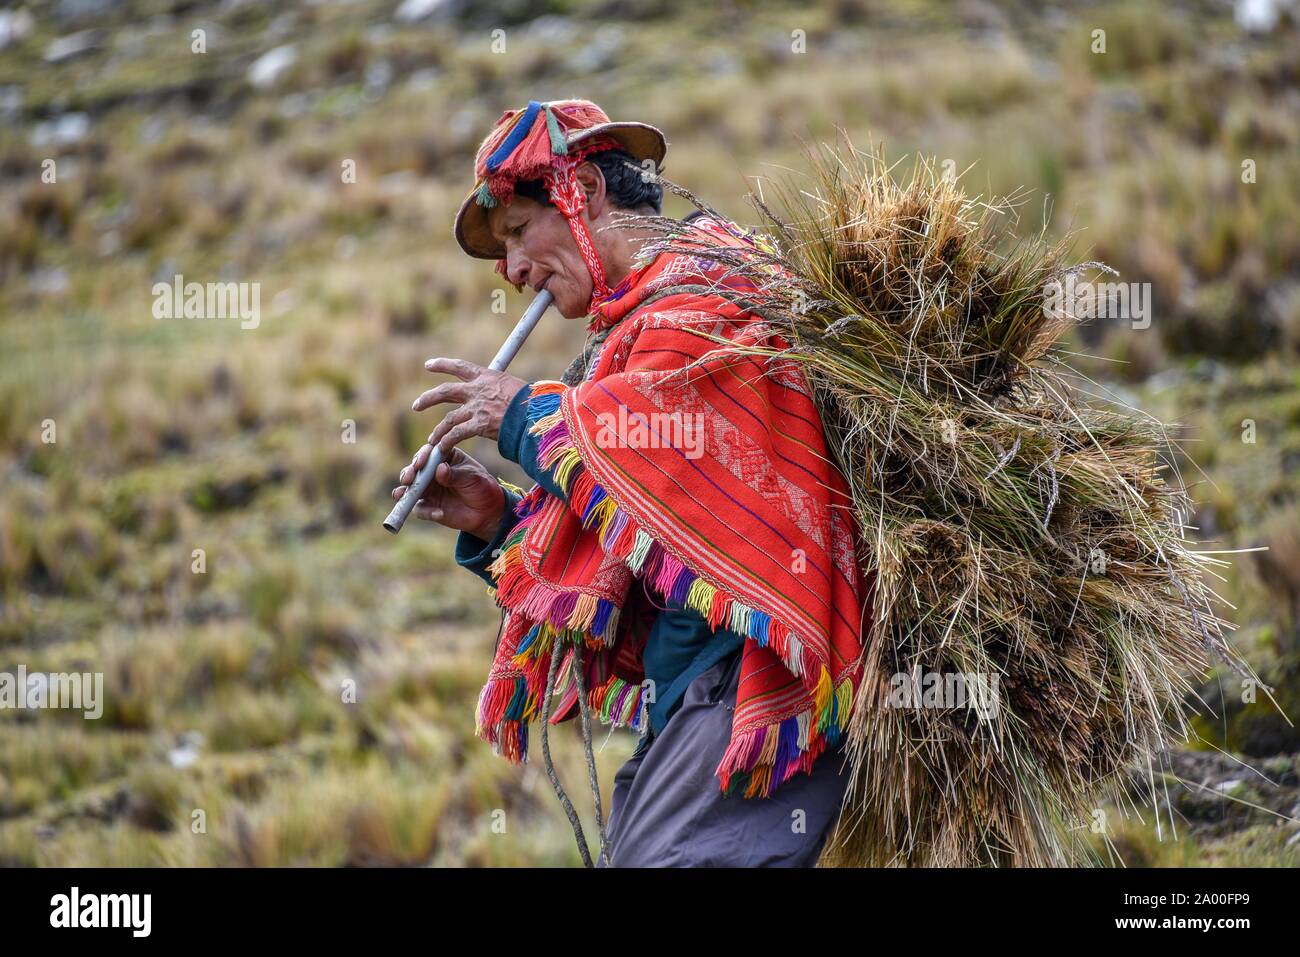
{"x": 681, "y": 647}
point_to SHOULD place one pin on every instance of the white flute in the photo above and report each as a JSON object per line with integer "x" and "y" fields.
{"x": 397, "y": 517}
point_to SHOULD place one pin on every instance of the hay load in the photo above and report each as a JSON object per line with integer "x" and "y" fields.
{"x": 1019, "y": 529}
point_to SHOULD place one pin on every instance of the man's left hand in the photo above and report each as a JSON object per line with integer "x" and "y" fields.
{"x": 484, "y": 395}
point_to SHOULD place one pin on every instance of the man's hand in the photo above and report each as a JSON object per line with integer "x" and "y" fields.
{"x": 483, "y": 393}
{"x": 463, "y": 494}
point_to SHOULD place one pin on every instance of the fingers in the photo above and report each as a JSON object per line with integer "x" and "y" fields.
{"x": 461, "y": 368}
{"x": 427, "y": 513}
{"x": 407, "y": 475}
{"x": 459, "y": 471}
{"x": 459, "y": 433}
{"x": 447, "y": 392}
{"x": 453, "y": 418}
{"x": 429, "y": 508}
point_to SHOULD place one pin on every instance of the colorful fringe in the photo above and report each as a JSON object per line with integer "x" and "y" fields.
{"x": 507, "y": 705}
{"x": 562, "y": 610}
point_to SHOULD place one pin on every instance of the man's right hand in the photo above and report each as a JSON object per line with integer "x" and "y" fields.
{"x": 463, "y": 494}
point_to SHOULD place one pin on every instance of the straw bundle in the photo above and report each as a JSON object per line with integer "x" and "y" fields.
{"x": 1020, "y": 533}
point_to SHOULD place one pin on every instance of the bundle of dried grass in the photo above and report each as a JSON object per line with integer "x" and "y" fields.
{"x": 1019, "y": 531}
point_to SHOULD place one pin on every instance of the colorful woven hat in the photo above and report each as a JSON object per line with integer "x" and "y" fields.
{"x": 547, "y": 141}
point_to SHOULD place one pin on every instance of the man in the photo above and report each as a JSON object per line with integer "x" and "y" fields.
{"x": 687, "y": 554}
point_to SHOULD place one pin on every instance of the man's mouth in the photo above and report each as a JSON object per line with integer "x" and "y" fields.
{"x": 542, "y": 285}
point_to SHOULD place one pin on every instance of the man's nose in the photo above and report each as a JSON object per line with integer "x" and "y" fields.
{"x": 517, "y": 268}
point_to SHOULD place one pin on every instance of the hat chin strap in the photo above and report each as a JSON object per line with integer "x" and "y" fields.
{"x": 567, "y": 195}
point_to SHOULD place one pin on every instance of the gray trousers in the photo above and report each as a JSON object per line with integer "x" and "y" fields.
{"x": 668, "y": 808}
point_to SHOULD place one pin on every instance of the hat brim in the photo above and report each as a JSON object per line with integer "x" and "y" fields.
{"x": 642, "y": 140}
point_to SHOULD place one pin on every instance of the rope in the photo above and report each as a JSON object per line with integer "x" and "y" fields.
{"x": 591, "y": 757}
{"x": 550, "y": 765}
{"x": 567, "y": 195}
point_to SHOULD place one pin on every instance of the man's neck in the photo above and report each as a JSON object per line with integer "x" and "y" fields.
{"x": 619, "y": 258}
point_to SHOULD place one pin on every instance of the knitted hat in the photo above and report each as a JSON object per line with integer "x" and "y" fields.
{"x": 547, "y": 141}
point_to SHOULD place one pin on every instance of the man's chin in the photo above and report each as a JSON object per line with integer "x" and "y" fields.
{"x": 570, "y": 309}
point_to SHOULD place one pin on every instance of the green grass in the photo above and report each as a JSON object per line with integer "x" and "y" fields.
{"x": 183, "y": 435}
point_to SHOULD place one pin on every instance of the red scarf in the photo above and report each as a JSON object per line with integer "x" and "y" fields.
{"x": 712, "y": 485}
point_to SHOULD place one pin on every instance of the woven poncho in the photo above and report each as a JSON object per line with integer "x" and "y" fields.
{"x": 713, "y": 485}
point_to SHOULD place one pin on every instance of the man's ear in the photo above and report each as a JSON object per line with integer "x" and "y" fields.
{"x": 592, "y": 181}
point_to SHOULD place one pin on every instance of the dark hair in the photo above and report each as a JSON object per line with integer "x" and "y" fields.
{"x": 623, "y": 184}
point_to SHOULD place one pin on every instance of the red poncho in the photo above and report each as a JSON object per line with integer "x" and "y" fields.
{"x": 713, "y": 485}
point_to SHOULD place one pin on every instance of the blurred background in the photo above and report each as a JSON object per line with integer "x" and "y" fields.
{"x": 193, "y": 508}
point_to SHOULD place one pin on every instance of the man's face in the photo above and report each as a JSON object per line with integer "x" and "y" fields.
{"x": 541, "y": 253}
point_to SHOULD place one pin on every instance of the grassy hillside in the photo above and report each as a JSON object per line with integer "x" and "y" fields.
{"x": 1173, "y": 156}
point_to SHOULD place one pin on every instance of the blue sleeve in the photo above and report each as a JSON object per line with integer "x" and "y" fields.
{"x": 515, "y": 443}
{"x": 475, "y": 554}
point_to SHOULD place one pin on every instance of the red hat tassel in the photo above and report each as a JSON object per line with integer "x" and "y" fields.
{"x": 567, "y": 195}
